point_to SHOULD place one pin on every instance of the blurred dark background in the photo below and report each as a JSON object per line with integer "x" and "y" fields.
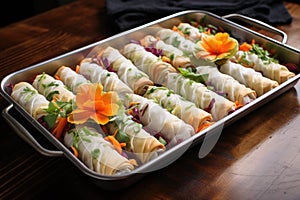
{"x": 13, "y": 11}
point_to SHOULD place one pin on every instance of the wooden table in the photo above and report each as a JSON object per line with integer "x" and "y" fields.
{"x": 257, "y": 157}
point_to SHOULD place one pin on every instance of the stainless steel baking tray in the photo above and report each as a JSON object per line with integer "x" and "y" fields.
{"x": 287, "y": 55}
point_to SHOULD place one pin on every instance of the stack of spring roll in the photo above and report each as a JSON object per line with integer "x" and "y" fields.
{"x": 158, "y": 106}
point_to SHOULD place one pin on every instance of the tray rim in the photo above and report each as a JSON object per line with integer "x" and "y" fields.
{"x": 226, "y": 120}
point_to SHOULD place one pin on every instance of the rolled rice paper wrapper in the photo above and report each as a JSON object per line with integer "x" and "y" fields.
{"x": 98, "y": 154}
{"x": 249, "y": 77}
{"x": 180, "y": 107}
{"x": 176, "y": 56}
{"x": 191, "y": 32}
{"x": 231, "y": 88}
{"x": 29, "y": 98}
{"x": 149, "y": 63}
{"x": 70, "y": 78}
{"x": 52, "y": 88}
{"x": 145, "y": 146}
{"x": 177, "y": 40}
{"x": 199, "y": 94}
{"x": 271, "y": 70}
{"x": 110, "y": 80}
{"x": 159, "y": 120}
{"x": 136, "y": 79}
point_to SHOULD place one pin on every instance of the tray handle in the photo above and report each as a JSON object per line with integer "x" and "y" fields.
{"x": 258, "y": 24}
{"x": 26, "y": 136}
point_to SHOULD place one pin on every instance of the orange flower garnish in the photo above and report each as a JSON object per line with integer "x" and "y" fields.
{"x": 216, "y": 47}
{"x": 93, "y": 103}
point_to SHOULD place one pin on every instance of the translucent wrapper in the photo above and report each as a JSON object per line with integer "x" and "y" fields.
{"x": 149, "y": 63}
{"x": 176, "y": 56}
{"x": 190, "y": 31}
{"x": 136, "y": 79}
{"x": 98, "y": 154}
{"x": 52, "y": 88}
{"x": 249, "y": 77}
{"x": 110, "y": 80}
{"x": 225, "y": 84}
{"x": 70, "y": 78}
{"x": 177, "y": 40}
{"x": 159, "y": 120}
{"x": 142, "y": 144}
{"x": 29, "y": 98}
{"x": 199, "y": 94}
{"x": 272, "y": 70}
{"x": 180, "y": 107}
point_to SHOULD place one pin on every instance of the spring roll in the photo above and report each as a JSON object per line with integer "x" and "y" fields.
{"x": 159, "y": 120}
{"x": 176, "y": 56}
{"x": 149, "y": 63}
{"x": 136, "y": 79}
{"x": 249, "y": 77}
{"x": 180, "y": 107}
{"x": 98, "y": 154}
{"x": 177, "y": 40}
{"x": 96, "y": 74}
{"x": 70, "y": 78}
{"x": 29, "y": 98}
{"x": 191, "y": 32}
{"x": 199, "y": 94}
{"x": 228, "y": 86}
{"x": 52, "y": 88}
{"x": 144, "y": 146}
{"x": 271, "y": 70}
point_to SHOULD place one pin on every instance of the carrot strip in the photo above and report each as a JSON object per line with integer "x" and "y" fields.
{"x": 245, "y": 47}
{"x": 118, "y": 146}
{"x": 174, "y": 28}
{"x": 166, "y": 59}
{"x": 77, "y": 69}
{"x": 74, "y": 151}
{"x": 204, "y": 126}
{"x": 58, "y": 130}
{"x": 237, "y": 105}
{"x": 56, "y": 77}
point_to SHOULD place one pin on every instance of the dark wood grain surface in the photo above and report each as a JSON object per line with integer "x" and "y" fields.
{"x": 257, "y": 157}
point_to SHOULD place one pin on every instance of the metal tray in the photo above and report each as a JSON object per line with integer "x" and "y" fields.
{"x": 208, "y": 137}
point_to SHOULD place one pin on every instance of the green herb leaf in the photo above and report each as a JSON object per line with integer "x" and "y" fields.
{"x": 95, "y": 153}
{"x": 262, "y": 54}
{"x": 121, "y": 136}
{"x": 50, "y": 119}
{"x": 200, "y": 78}
{"x": 161, "y": 140}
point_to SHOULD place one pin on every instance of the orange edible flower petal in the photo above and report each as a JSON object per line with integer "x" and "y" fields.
{"x": 217, "y": 46}
{"x": 93, "y": 103}
{"x": 100, "y": 118}
{"x": 79, "y": 116}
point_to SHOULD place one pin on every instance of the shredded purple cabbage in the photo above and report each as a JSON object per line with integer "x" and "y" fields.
{"x": 155, "y": 51}
{"x": 135, "y": 41}
{"x": 293, "y": 68}
{"x": 42, "y": 122}
{"x": 107, "y": 65}
{"x": 211, "y": 104}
